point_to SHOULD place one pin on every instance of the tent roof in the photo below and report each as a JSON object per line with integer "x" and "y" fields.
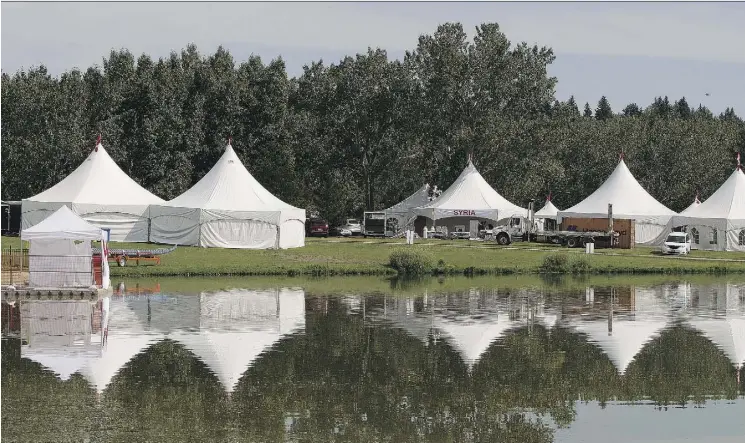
{"x": 547, "y": 211}
{"x": 419, "y": 198}
{"x": 229, "y": 186}
{"x": 471, "y": 191}
{"x": 87, "y": 184}
{"x": 62, "y": 224}
{"x": 629, "y": 199}
{"x": 727, "y": 202}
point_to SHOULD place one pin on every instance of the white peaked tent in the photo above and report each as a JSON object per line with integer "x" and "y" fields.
{"x": 60, "y": 251}
{"x": 471, "y": 337}
{"x": 228, "y": 208}
{"x": 239, "y": 325}
{"x": 101, "y": 193}
{"x": 470, "y": 196}
{"x": 547, "y": 211}
{"x": 630, "y": 201}
{"x": 719, "y": 222}
{"x": 726, "y": 333}
{"x": 402, "y": 211}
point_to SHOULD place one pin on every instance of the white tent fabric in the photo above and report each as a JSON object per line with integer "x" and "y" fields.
{"x": 470, "y": 196}
{"x": 101, "y": 193}
{"x": 402, "y": 211}
{"x": 630, "y": 201}
{"x": 547, "y": 211}
{"x": 719, "y": 222}
{"x": 627, "y": 338}
{"x": 728, "y": 334}
{"x": 60, "y": 251}
{"x": 472, "y": 337}
{"x": 239, "y": 325}
{"x": 228, "y": 208}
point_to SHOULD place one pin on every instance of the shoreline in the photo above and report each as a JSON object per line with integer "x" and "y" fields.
{"x": 337, "y": 257}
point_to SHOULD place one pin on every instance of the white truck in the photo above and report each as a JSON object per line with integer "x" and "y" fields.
{"x": 520, "y": 228}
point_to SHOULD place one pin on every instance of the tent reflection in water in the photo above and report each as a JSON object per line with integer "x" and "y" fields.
{"x": 238, "y": 325}
{"x": 228, "y": 208}
{"x": 59, "y": 339}
{"x": 60, "y": 253}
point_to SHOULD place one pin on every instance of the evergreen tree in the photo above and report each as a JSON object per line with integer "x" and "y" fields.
{"x": 682, "y": 110}
{"x": 588, "y": 111}
{"x": 603, "y": 111}
{"x": 632, "y": 110}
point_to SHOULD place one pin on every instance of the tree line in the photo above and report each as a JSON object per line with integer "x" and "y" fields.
{"x": 361, "y": 133}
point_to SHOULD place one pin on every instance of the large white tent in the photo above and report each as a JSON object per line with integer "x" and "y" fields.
{"x": 630, "y": 201}
{"x": 228, "y": 208}
{"x": 719, "y": 222}
{"x": 237, "y": 326}
{"x": 402, "y": 211}
{"x": 547, "y": 212}
{"x": 60, "y": 253}
{"x": 470, "y": 197}
{"x": 100, "y": 192}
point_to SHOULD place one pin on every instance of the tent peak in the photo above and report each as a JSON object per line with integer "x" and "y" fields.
{"x": 739, "y": 165}
{"x": 98, "y": 142}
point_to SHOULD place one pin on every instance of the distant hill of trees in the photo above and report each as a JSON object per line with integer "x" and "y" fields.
{"x": 361, "y": 133}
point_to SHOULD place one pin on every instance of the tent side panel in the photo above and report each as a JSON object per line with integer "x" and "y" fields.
{"x": 292, "y": 234}
{"x": 238, "y": 234}
{"x": 174, "y": 226}
{"x": 56, "y": 263}
{"x": 33, "y": 212}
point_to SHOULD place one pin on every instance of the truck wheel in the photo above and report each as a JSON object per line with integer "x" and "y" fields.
{"x": 503, "y": 239}
{"x": 572, "y": 242}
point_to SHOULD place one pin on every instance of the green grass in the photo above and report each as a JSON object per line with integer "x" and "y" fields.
{"x": 334, "y": 257}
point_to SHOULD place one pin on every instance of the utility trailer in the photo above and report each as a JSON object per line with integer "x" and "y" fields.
{"x": 374, "y": 224}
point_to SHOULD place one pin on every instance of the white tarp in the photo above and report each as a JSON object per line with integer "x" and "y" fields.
{"x": 401, "y": 211}
{"x": 630, "y": 201}
{"x": 102, "y": 194}
{"x": 470, "y": 196}
{"x": 228, "y": 208}
{"x": 719, "y": 222}
{"x": 60, "y": 251}
{"x": 239, "y": 325}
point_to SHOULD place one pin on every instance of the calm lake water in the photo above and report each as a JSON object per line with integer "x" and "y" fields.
{"x": 515, "y": 359}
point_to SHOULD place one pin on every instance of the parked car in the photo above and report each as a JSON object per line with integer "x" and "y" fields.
{"x": 353, "y": 225}
{"x": 677, "y": 243}
{"x": 316, "y": 226}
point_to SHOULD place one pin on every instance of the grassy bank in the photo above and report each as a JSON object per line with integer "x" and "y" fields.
{"x": 329, "y": 257}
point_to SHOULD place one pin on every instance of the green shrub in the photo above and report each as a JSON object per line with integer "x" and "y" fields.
{"x": 411, "y": 262}
{"x": 555, "y": 264}
{"x": 579, "y": 264}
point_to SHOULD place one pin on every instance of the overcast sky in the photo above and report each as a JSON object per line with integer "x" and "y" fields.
{"x": 630, "y": 52}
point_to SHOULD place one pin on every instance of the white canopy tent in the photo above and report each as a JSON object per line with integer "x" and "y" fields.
{"x": 60, "y": 252}
{"x": 402, "y": 211}
{"x": 630, "y": 201}
{"x": 470, "y": 196}
{"x": 228, "y": 208}
{"x": 101, "y": 193}
{"x": 719, "y": 222}
{"x": 547, "y": 212}
{"x": 239, "y": 325}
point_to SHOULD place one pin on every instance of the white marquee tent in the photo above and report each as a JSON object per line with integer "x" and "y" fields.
{"x": 237, "y": 326}
{"x": 470, "y": 196}
{"x": 402, "y": 211}
{"x": 101, "y": 193}
{"x": 547, "y": 211}
{"x": 60, "y": 253}
{"x": 719, "y": 222}
{"x": 228, "y": 208}
{"x": 630, "y": 201}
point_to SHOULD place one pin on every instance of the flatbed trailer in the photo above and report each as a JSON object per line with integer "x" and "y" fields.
{"x": 576, "y": 239}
